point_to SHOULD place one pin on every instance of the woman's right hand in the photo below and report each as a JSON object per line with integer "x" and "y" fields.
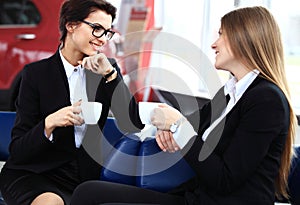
{"x": 164, "y": 116}
{"x": 67, "y": 116}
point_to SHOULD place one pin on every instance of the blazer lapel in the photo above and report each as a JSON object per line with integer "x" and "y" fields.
{"x": 60, "y": 67}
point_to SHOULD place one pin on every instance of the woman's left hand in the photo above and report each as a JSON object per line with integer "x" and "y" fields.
{"x": 165, "y": 141}
{"x": 98, "y": 64}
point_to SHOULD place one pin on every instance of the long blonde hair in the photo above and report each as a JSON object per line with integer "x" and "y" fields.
{"x": 255, "y": 38}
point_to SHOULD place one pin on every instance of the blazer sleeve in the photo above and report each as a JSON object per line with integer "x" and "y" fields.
{"x": 116, "y": 96}
{"x": 28, "y": 139}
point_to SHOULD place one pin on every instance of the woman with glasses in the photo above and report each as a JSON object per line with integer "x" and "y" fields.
{"x": 51, "y": 146}
{"x": 241, "y": 154}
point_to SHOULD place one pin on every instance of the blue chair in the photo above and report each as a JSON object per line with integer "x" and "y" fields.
{"x": 146, "y": 165}
{"x": 161, "y": 171}
{"x": 122, "y": 161}
{"x": 6, "y": 123}
{"x": 2, "y": 202}
{"x": 111, "y": 131}
{"x": 294, "y": 179}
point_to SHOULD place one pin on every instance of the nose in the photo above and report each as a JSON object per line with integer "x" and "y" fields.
{"x": 214, "y": 46}
{"x": 102, "y": 40}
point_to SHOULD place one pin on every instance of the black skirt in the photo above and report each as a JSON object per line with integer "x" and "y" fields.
{"x": 20, "y": 187}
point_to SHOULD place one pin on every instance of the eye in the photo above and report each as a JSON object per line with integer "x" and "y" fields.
{"x": 98, "y": 27}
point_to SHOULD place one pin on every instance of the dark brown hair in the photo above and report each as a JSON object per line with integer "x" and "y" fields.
{"x": 78, "y": 10}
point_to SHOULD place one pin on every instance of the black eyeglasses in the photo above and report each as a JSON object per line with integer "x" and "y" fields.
{"x": 99, "y": 30}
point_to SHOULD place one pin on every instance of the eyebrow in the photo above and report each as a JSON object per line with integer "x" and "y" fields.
{"x": 100, "y": 25}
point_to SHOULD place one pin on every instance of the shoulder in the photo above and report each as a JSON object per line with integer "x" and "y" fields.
{"x": 265, "y": 93}
{"x": 264, "y": 89}
{"x": 43, "y": 63}
{"x": 43, "y": 70}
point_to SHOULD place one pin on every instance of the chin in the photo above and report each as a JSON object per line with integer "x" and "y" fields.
{"x": 220, "y": 68}
{"x": 90, "y": 53}
{"x": 217, "y": 67}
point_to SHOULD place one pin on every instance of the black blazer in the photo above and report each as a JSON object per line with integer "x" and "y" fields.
{"x": 44, "y": 89}
{"x": 244, "y": 153}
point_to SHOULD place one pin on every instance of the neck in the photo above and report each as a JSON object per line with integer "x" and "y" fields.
{"x": 240, "y": 72}
{"x": 71, "y": 55}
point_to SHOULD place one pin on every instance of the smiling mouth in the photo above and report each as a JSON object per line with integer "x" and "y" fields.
{"x": 96, "y": 47}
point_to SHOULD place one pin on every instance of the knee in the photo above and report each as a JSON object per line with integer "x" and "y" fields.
{"x": 48, "y": 198}
{"x": 82, "y": 189}
{"x": 85, "y": 193}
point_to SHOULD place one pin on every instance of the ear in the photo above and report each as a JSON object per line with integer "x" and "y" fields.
{"x": 71, "y": 26}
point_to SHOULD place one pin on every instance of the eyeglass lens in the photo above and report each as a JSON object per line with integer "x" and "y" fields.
{"x": 99, "y": 32}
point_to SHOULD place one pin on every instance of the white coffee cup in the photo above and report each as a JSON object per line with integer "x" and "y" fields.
{"x": 91, "y": 112}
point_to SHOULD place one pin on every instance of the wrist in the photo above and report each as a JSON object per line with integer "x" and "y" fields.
{"x": 110, "y": 75}
{"x": 49, "y": 126}
{"x": 174, "y": 126}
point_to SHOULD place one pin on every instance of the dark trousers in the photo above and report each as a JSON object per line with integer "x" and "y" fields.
{"x": 101, "y": 192}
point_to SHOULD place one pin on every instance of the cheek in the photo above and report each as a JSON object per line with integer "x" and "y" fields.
{"x": 81, "y": 40}
{"x": 223, "y": 59}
